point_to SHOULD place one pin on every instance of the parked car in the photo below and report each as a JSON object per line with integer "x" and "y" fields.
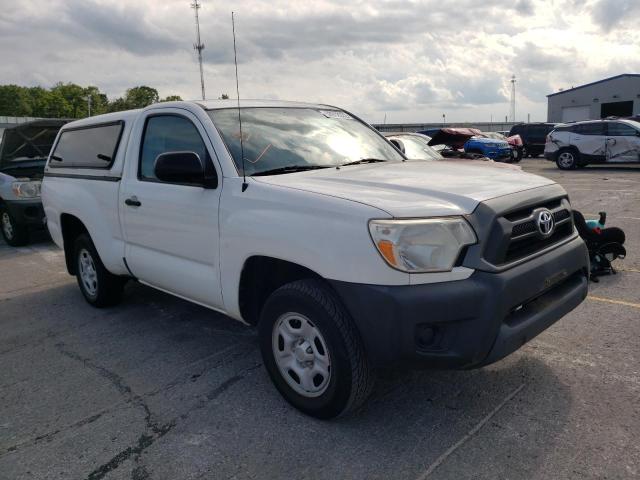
{"x": 498, "y": 150}
{"x": 305, "y": 221}
{"x": 533, "y": 136}
{"x": 23, "y": 153}
{"x": 600, "y": 141}
{"x": 515, "y": 142}
{"x": 414, "y": 145}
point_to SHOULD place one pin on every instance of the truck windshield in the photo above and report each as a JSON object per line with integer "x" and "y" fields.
{"x": 286, "y": 140}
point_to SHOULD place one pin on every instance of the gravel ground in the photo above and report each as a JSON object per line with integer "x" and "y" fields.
{"x": 158, "y": 388}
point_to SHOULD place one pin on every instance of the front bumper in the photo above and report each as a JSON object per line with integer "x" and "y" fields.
{"x": 499, "y": 154}
{"x": 467, "y": 323}
{"x": 26, "y": 212}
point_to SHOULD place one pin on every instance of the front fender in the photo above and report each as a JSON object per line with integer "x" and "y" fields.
{"x": 325, "y": 234}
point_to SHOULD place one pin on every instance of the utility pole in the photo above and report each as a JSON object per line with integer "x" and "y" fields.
{"x": 444, "y": 119}
{"x": 199, "y": 46}
{"x": 513, "y": 98}
{"x": 88, "y": 105}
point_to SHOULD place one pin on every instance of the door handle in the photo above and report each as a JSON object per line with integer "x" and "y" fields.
{"x": 133, "y": 201}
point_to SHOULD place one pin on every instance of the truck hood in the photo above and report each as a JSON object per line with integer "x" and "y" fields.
{"x": 414, "y": 188}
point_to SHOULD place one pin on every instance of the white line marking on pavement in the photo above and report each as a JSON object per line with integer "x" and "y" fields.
{"x": 615, "y": 302}
{"x": 440, "y": 460}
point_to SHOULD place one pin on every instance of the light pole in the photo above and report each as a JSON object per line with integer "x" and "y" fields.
{"x": 88, "y": 105}
{"x": 444, "y": 119}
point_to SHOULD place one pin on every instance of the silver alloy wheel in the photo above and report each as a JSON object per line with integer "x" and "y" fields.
{"x": 7, "y": 227}
{"x": 88, "y": 272}
{"x": 301, "y": 354}
{"x": 566, "y": 159}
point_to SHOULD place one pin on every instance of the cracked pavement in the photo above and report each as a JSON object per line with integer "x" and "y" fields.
{"x": 157, "y": 388}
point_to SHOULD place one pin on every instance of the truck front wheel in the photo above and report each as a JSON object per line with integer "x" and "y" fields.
{"x": 313, "y": 351}
{"x": 99, "y": 286}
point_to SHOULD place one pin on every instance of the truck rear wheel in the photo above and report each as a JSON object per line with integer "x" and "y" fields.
{"x": 14, "y": 233}
{"x": 312, "y": 350}
{"x": 99, "y": 286}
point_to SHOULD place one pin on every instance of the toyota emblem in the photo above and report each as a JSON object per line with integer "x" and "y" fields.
{"x": 545, "y": 223}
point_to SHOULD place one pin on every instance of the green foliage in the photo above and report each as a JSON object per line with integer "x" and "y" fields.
{"x": 172, "y": 98}
{"x": 69, "y": 100}
{"x": 224, "y": 96}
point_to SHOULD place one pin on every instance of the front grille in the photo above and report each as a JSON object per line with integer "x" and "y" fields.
{"x": 515, "y": 234}
{"x": 529, "y": 245}
{"x": 526, "y": 212}
{"x": 523, "y": 229}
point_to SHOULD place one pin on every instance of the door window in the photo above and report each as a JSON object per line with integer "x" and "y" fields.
{"x": 596, "y": 128}
{"x": 87, "y": 147}
{"x": 617, "y": 129}
{"x": 169, "y": 133}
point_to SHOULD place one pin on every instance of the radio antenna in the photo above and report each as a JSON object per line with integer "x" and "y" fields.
{"x": 235, "y": 59}
{"x": 199, "y": 46}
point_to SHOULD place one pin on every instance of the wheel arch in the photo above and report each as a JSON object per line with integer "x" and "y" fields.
{"x": 262, "y": 275}
{"x": 71, "y": 227}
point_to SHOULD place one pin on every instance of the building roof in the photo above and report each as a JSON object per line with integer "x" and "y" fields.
{"x": 594, "y": 83}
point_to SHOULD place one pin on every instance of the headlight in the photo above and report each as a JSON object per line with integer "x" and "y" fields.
{"x": 425, "y": 245}
{"x": 26, "y": 189}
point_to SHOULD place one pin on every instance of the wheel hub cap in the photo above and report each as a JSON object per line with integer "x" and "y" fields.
{"x": 301, "y": 354}
{"x": 88, "y": 273}
{"x": 6, "y": 225}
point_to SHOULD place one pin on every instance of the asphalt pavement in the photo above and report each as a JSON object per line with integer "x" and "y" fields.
{"x": 158, "y": 388}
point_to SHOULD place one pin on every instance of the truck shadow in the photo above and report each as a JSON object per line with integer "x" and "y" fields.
{"x": 197, "y": 378}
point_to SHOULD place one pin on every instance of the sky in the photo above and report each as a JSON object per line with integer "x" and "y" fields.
{"x": 411, "y": 61}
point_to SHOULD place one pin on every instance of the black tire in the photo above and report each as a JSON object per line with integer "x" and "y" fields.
{"x": 567, "y": 159}
{"x": 351, "y": 376}
{"x": 107, "y": 288}
{"x": 14, "y": 233}
{"x": 518, "y": 155}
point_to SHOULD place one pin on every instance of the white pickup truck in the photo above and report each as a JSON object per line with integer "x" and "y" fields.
{"x": 346, "y": 255}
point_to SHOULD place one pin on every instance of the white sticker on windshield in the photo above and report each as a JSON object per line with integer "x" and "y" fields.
{"x": 336, "y": 114}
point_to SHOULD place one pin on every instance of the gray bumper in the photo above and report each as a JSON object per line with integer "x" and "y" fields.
{"x": 472, "y": 322}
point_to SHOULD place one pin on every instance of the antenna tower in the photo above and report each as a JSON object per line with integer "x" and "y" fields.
{"x": 199, "y": 46}
{"x": 513, "y": 98}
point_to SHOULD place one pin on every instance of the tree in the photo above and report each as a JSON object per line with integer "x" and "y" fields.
{"x": 140, "y": 97}
{"x": 99, "y": 101}
{"x": 172, "y": 98}
{"x": 224, "y": 96}
{"x": 75, "y": 97}
{"x": 69, "y": 100}
{"x": 15, "y": 101}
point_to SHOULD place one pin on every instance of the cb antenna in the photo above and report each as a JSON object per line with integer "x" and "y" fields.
{"x": 198, "y": 46}
{"x": 235, "y": 60}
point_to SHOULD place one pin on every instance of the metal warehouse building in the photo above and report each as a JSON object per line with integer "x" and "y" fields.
{"x": 616, "y": 96}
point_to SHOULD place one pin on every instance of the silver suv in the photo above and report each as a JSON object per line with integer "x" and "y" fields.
{"x": 600, "y": 141}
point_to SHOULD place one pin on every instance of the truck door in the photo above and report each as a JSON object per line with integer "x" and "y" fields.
{"x": 590, "y": 139}
{"x": 171, "y": 230}
{"x": 623, "y": 143}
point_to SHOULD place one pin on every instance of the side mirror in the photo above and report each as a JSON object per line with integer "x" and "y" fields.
{"x": 180, "y": 167}
{"x": 398, "y": 144}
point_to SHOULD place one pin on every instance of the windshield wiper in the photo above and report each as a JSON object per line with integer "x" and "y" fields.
{"x": 364, "y": 160}
{"x": 289, "y": 169}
